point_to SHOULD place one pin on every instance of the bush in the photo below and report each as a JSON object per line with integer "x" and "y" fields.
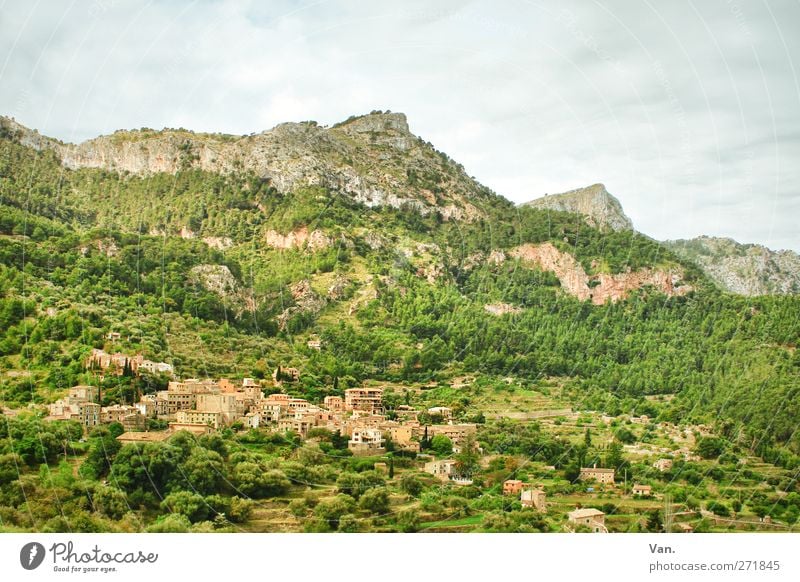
{"x": 375, "y": 501}
{"x": 172, "y": 523}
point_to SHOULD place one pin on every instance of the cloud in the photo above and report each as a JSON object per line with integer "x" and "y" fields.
{"x": 687, "y": 112}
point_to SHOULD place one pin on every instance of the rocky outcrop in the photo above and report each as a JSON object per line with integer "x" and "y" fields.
{"x": 601, "y": 287}
{"x": 745, "y": 269}
{"x": 374, "y": 159}
{"x": 306, "y": 300}
{"x": 221, "y": 243}
{"x": 600, "y": 208}
{"x": 338, "y": 289}
{"x": 315, "y": 240}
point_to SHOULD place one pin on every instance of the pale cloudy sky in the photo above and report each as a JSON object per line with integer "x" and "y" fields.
{"x": 689, "y": 112}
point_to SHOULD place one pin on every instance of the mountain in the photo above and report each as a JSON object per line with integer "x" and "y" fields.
{"x": 594, "y": 202}
{"x": 372, "y": 158}
{"x": 224, "y": 255}
{"x": 746, "y": 269}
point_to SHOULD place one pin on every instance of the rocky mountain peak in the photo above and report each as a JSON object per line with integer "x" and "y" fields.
{"x": 376, "y": 122}
{"x": 746, "y": 269}
{"x": 601, "y": 209}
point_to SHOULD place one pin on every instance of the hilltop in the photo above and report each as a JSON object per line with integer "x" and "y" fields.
{"x": 601, "y": 209}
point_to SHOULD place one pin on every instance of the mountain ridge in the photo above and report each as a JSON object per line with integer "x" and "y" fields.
{"x": 742, "y": 268}
{"x": 376, "y": 160}
{"x": 373, "y": 158}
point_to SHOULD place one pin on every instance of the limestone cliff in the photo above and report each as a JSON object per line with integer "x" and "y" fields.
{"x": 374, "y": 158}
{"x": 601, "y": 287}
{"x": 594, "y": 202}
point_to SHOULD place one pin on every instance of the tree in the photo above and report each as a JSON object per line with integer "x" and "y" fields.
{"x": 172, "y": 523}
{"x": 110, "y": 501}
{"x": 102, "y": 451}
{"x": 251, "y": 480}
{"x": 624, "y": 435}
{"x": 467, "y": 459}
{"x": 411, "y": 484}
{"x": 572, "y": 472}
{"x": 203, "y": 471}
{"x": 356, "y": 484}
{"x": 330, "y": 510}
{"x": 655, "y": 522}
{"x": 614, "y": 457}
{"x": 587, "y": 437}
{"x": 710, "y": 447}
{"x": 441, "y": 445}
{"x": 408, "y": 521}
{"x": 192, "y": 505}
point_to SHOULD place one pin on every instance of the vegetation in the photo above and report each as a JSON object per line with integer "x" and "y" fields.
{"x": 86, "y": 252}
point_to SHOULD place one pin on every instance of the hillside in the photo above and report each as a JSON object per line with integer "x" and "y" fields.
{"x": 746, "y": 269}
{"x": 224, "y": 255}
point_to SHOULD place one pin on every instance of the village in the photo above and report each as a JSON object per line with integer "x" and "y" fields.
{"x": 204, "y": 406}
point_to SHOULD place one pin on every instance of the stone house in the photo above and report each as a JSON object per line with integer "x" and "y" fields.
{"x": 600, "y": 475}
{"x": 592, "y": 518}
{"x": 533, "y": 498}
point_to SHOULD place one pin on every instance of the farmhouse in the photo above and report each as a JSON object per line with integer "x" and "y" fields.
{"x": 592, "y": 518}
{"x": 442, "y": 470}
{"x": 533, "y": 498}
{"x": 599, "y": 475}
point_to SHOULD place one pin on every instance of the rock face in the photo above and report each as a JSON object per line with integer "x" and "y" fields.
{"x": 215, "y": 278}
{"x": 600, "y": 208}
{"x": 374, "y": 159}
{"x": 745, "y": 269}
{"x": 601, "y": 287}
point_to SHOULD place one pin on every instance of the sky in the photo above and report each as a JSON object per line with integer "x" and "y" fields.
{"x": 688, "y": 112}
